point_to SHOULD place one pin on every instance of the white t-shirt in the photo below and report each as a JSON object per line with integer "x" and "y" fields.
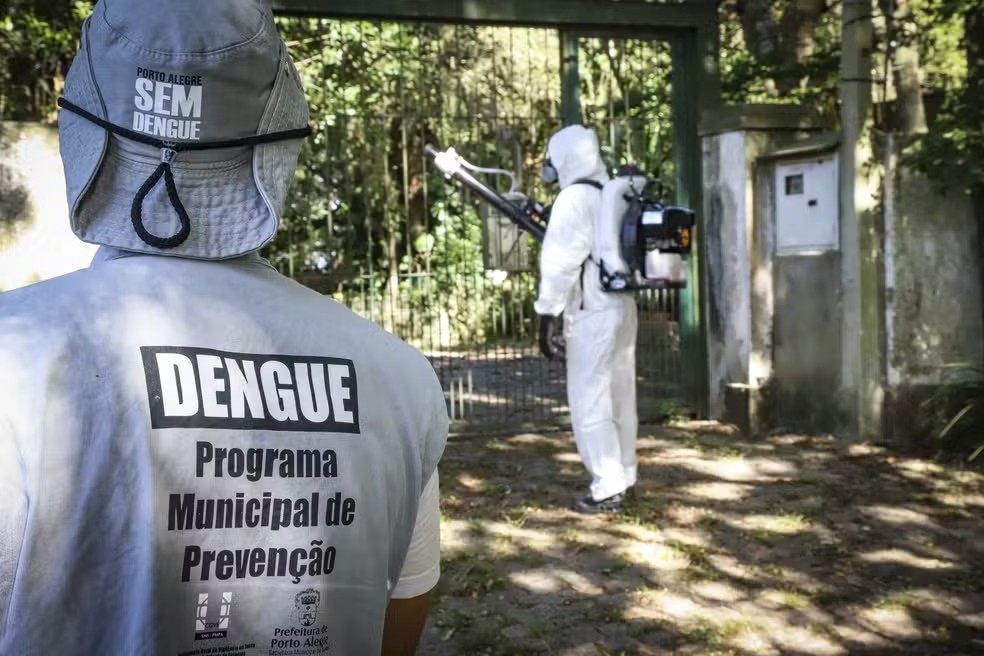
{"x": 207, "y": 458}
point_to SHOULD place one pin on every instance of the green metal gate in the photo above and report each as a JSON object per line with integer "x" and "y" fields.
{"x": 372, "y": 222}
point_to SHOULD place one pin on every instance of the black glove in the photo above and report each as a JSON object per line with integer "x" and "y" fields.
{"x": 552, "y": 344}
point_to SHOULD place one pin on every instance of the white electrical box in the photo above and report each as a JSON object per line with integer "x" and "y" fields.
{"x": 807, "y": 210}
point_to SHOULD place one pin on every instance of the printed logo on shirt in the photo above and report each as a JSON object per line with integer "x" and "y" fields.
{"x": 209, "y": 626}
{"x": 168, "y": 106}
{"x": 307, "y": 602}
{"x": 204, "y": 388}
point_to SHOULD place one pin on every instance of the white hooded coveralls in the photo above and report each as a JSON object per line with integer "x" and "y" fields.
{"x": 600, "y": 328}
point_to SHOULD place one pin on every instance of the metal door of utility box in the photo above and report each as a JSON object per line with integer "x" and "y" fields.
{"x": 806, "y": 205}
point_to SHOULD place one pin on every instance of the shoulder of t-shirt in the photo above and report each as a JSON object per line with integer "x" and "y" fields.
{"x": 379, "y": 343}
{"x": 42, "y": 311}
{"x": 405, "y": 364}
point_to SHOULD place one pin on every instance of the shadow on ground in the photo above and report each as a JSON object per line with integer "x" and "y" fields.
{"x": 793, "y": 545}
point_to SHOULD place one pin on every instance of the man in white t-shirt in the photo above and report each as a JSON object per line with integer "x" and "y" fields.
{"x": 198, "y": 455}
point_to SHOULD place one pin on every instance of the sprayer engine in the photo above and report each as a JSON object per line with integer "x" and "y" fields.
{"x": 642, "y": 242}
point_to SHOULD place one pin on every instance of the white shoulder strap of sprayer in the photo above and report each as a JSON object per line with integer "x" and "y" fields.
{"x": 605, "y": 274}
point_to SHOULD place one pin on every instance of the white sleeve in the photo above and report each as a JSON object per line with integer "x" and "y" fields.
{"x": 422, "y": 567}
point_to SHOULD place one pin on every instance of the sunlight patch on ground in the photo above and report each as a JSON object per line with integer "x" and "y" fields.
{"x": 807, "y": 641}
{"x": 686, "y": 515}
{"x": 537, "y": 581}
{"x": 579, "y": 583}
{"x": 638, "y": 532}
{"x": 676, "y": 606}
{"x": 894, "y": 623}
{"x": 658, "y": 557}
{"x": 961, "y": 500}
{"x": 899, "y": 515}
{"x": 786, "y": 524}
{"x": 525, "y": 538}
{"x": 719, "y": 491}
{"x": 568, "y": 458}
{"x": 902, "y": 557}
{"x": 729, "y": 470}
{"x": 470, "y": 482}
{"x": 717, "y": 591}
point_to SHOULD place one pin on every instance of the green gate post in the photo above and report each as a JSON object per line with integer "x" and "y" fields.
{"x": 687, "y": 76}
{"x": 570, "y": 80}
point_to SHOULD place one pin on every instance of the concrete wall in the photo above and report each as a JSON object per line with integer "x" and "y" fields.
{"x": 807, "y": 343}
{"x": 932, "y": 299}
{"x": 933, "y": 293}
{"x": 739, "y": 251}
{"x": 789, "y": 343}
{"x": 726, "y": 220}
{"x": 36, "y": 242}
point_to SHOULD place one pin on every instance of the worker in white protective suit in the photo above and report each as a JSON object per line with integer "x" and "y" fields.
{"x": 600, "y": 328}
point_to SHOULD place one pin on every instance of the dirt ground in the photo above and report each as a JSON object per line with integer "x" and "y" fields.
{"x": 790, "y": 545}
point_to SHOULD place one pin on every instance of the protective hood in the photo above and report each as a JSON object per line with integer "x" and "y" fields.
{"x": 575, "y": 153}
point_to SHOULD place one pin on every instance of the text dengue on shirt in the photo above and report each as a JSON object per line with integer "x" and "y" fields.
{"x": 204, "y": 458}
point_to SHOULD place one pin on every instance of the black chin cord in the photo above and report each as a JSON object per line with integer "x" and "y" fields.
{"x": 169, "y": 151}
{"x": 136, "y": 212}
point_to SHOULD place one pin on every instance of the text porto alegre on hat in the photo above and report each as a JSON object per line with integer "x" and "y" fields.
{"x": 168, "y": 105}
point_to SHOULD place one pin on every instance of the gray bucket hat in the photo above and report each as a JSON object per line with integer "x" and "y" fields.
{"x": 180, "y": 128}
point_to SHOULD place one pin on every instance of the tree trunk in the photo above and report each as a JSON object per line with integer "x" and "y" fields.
{"x": 784, "y": 46}
{"x": 910, "y": 112}
{"x": 760, "y": 30}
{"x": 797, "y": 28}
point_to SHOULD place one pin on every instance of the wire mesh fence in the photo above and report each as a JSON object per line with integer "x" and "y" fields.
{"x": 373, "y": 223}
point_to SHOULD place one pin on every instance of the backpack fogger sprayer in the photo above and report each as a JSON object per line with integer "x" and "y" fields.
{"x": 641, "y": 242}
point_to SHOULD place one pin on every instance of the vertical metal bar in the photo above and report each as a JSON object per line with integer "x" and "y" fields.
{"x": 570, "y": 79}
{"x": 686, "y": 74}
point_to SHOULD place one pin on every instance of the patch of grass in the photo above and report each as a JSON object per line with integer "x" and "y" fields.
{"x": 699, "y": 566}
{"x": 794, "y": 599}
{"x": 615, "y": 615}
{"x": 494, "y": 489}
{"x": 482, "y": 640}
{"x": 897, "y": 601}
{"x": 793, "y": 521}
{"x": 730, "y": 629}
{"x": 541, "y": 628}
{"x": 546, "y": 448}
{"x": 778, "y": 571}
{"x": 473, "y": 577}
{"x": 498, "y": 445}
{"x": 763, "y": 535}
{"x": 714, "y": 634}
{"x": 517, "y": 517}
{"x": 705, "y": 632}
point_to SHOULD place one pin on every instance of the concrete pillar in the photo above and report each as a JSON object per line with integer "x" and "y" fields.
{"x": 739, "y": 246}
{"x": 862, "y": 326}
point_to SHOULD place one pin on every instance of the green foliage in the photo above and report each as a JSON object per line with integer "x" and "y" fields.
{"x": 957, "y": 410}
{"x": 372, "y": 221}
{"x": 763, "y": 75}
{"x": 38, "y": 40}
{"x": 952, "y": 152}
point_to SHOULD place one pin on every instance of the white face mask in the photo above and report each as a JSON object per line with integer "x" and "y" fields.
{"x": 548, "y": 173}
